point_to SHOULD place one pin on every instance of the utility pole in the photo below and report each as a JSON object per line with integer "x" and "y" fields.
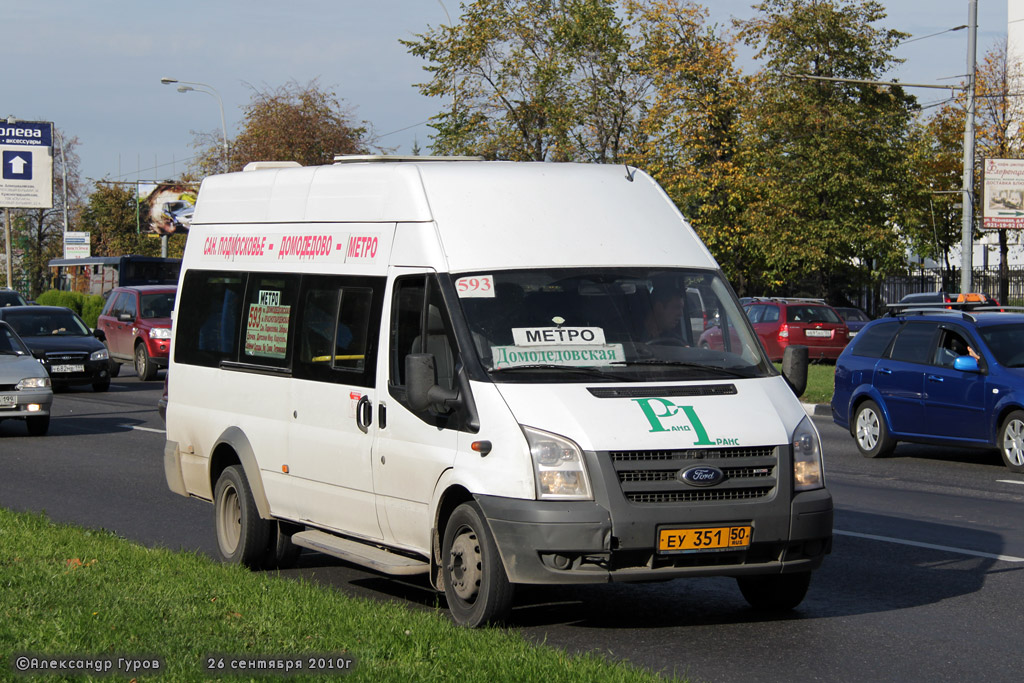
{"x": 967, "y": 234}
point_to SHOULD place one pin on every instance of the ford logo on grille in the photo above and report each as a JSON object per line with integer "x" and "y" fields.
{"x": 701, "y": 475}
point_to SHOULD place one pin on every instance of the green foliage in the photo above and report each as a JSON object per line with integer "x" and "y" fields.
{"x": 111, "y": 216}
{"x": 292, "y": 122}
{"x": 87, "y": 306}
{"x": 831, "y": 157}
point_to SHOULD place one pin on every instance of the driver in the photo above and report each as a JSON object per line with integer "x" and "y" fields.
{"x": 666, "y": 314}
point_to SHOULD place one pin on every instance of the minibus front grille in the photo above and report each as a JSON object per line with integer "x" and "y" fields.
{"x": 695, "y": 454}
{"x": 699, "y": 496}
{"x": 651, "y": 477}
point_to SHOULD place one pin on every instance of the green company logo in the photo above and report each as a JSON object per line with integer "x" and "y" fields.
{"x": 658, "y": 411}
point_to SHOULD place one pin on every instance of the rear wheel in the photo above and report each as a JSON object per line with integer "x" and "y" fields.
{"x": 1011, "y": 441}
{"x": 38, "y": 425}
{"x": 144, "y": 367}
{"x": 242, "y": 535}
{"x": 776, "y": 592}
{"x": 870, "y": 433}
{"x": 475, "y": 583}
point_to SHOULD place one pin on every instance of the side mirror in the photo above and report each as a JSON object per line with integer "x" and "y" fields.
{"x": 421, "y": 386}
{"x": 100, "y": 334}
{"x": 794, "y": 368}
{"x": 966, "y": 364}
{"x": 126, "y": 317}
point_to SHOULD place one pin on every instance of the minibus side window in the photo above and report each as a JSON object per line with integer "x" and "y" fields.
{"x": 269, "y": 316}
{"x": 208, "y": 322}
{"x": 337, "y": 337}
{"x": 418, "y": 330}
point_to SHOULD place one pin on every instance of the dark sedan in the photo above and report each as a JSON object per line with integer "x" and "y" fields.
{"x": 70, "y": 352}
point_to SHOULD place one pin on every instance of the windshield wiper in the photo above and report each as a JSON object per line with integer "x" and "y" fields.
{"x": 682, "y": 364}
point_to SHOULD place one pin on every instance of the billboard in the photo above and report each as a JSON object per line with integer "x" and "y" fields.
{"x": 77, "y": 245}
{"x": 166, "y": 208}
{"x": 26, "y": 152}
{"x": 1003, "y": 201}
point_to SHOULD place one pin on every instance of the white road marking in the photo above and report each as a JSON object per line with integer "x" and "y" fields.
{"x": 932, "y": 546}
{"x": 144, "y": 429}
{"x": 1010, "y": 481}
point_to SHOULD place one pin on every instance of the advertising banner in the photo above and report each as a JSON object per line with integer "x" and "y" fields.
{"x": 1003, "y": 205}
{"x": 77, "y": 245}
{"x": 166, "y": 208}
{"x": 26, "y": 152}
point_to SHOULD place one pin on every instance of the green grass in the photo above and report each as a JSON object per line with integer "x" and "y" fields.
{"x": 70, "y": 591}
{"x": 821, "y": 379}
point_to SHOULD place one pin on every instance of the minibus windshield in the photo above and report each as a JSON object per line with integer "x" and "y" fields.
{"x": 615, "y": 324}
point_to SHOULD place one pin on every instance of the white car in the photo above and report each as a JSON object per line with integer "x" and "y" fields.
{"x": 25, "y": 391}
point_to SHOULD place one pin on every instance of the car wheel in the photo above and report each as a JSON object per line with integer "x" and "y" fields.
{"x": 775, "y": 592}
{"x": 1011, "y": 441}
{"x": 114, "y": 368}
{"x": 38, "y": 425}
{"x": 870, "y": 433}
{"x": 144, "y": 367}
{"x": 475, "y": 583}
{"x": 242, "y": 536}
{"x": 101, "y": 384}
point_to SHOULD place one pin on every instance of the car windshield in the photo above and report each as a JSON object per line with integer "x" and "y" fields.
{"x": 157, "y": 305}
{"x": 1006, "y": 342}
{"x": 10, "y": 344}
{"x": 615, "y": 324}
{"x": 42, "y": 323}
{"x": 11, "y": 298}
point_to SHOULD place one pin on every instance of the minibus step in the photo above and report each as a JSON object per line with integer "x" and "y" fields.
{"x": 360, "y": 553}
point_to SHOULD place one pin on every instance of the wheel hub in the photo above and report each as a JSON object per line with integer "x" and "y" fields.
{"x": 465, "y": 565}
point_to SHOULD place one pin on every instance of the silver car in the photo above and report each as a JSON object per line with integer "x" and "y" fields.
{"x": 25, "y": 391}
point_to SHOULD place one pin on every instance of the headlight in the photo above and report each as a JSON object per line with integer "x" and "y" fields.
{"x": 99, "y": 355}
{"x": 808, "y": 470}
{"x": 34, "y": 383}
{"x": 160, "y": 333}
{"x": 558, "y": 465}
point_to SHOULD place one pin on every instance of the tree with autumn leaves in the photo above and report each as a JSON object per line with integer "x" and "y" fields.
{"x": 795, "y": 185}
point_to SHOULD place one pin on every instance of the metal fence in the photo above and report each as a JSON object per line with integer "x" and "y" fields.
{"x": 985, "y": 280}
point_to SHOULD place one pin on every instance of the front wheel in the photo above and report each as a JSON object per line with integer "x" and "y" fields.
{"x": 870, "y": 432}
{"x": 101, "y": 384}
{"x": 144, "y": 366}
{"x": 775, "y": 592}
{"x": 1011, "y": 441}
{"x": 38, "y": 425}
{"x": 475, "y": 583}
{"x": 114, "y": 369}
{"x": 242, "y": 536}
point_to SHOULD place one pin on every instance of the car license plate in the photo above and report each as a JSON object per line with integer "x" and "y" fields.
{"x": 67, "y": 368}
{"x": 697, "y": 540}
{"x": 8, "y": 401}
{"x": 818, "y": 333}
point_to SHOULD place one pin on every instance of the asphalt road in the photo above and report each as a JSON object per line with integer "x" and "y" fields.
{"x": 923, "y": 583}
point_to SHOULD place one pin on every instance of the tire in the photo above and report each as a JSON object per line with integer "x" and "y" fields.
{"x": 870, "y": 431}
{"x": 101, "y": 384}
{"x": 242, "y": 536}
{"x": 775, "y": 592}
{"x": 1011, "y": 441}
{"x": 475, "y": 583}
{"x": 38, "y": 425}
{"x": 144, "y": 367}
{"x": 114, "y": 368}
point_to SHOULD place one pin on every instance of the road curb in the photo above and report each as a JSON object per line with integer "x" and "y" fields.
{"x": 818, "y": 408}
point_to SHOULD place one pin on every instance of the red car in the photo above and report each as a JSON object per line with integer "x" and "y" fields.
{"x": 812, "y": 323}
{"x": 137, "y": 322}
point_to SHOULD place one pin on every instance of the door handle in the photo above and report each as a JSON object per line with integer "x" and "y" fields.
{"x": 936, "y": 378}
{"x": 885, "y": 371}
{"x": 364, "y": 414}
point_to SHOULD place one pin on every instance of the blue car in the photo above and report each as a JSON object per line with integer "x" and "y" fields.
{"x": 946, "y": 377}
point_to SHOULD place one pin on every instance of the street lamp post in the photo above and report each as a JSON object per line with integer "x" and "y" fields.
{"x": 186, "y": 86}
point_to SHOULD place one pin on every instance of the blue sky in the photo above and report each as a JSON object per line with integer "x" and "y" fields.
{"x": 93, "y": 67}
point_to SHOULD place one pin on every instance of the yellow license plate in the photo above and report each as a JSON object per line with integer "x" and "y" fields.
{"x": 711, "y": 538}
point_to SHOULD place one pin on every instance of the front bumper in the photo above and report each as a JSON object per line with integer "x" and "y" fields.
{"x": 92, "y": 371}
{"x": 28, "y": 403}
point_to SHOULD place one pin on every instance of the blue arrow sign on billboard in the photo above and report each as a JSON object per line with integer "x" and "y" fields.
{"x": 17, "y": 165}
